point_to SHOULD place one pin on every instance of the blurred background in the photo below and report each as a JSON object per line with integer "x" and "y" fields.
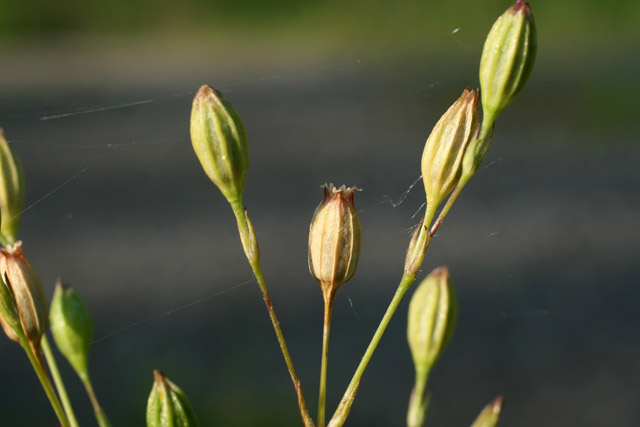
{"x": 542, "y": 245}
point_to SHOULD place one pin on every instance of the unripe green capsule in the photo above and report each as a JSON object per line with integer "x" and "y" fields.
{"x": 167, "y": 405}
{"x": 432, "y": 318}
{"x": 9, "y": 318}
{"x": 71, "y": 327}
{"x": 220, "y": 142}
{"x": 490, "y": 414}
{"x": 12, "y": 191}
{"x": 507, "y": 58}
{"x": 416, "y": 250}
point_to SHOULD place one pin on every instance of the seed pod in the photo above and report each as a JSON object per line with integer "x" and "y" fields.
{"x": 12, "y": 190}
{"x": 432, "y": 318}
{"x": 220, "y": 142}
{"x": 490, "y": 414}
{"x": 507, "y": 58}
{"x": 416, "y": 250}
{"x": 71, "y": 327}
{"x": 443, "y": 152}
{"x": 334, "y": 239}
{"x": 9, "y": 318}
{"x": 31, "y": 302}
{"x": 167, "y": 405}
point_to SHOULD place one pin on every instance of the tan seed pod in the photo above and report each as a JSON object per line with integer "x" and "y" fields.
{"x": 334, "y": 239}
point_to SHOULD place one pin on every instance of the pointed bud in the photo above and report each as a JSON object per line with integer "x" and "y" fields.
{"x": 507, "y": 58}
{"x": 71, "y": 327}
{"x": 249, "y": 241}
{"x": 417, "y": 249}
{"x": 334, "y": 239}
{"x": 9, "y": 318}
{"x": 220, "y": 142}
{"x": 443, "y": 152}
{"x": 490, "y": 414}
{"x": 12, "y": 190}
{"x": 432, "y": 318}
{"x": 167, "y": 405}
{"x": 31, "y": 302}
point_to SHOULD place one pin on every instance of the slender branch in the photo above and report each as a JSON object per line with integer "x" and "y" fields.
{"x": 322, "y": 394}
{"x": 44, "y": 380}
{"x": 57, "y": 379}
{"x": 340, "y": 416}
{"x": 101, "y": 417}
{"x": 485, "y": 137}
{"x": 417, "y": 403}
{"x": 445, "y": 210}
{"x": 254, "y": 262}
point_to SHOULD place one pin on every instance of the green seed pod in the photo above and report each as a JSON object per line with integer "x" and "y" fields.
{"x": 507, "y": 58}
{"x": 432, "y": 318}
{"x": 416, "y": 250}
{"x": 31, "y": 302}
{"x": 334, "y": 239}
{"x": 490, "y": 414}
{"x": 12, "y": 190}
{"x": 220, "y": 142}
{"x": 443, "y": 152}
{"x": 71, "y": 327}
{"x": 167, "y": 405}
{"x": 9, "y": 318}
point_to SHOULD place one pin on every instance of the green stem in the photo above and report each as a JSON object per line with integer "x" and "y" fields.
{"x": 417, "y": 404}
{"x": 254, "y": 262}
{"x": 340, "y": 416}
{"x": 486, "y": 131}
{"x": 322, "y": 394}
{"x": 487, "y": 126}
{"x": 44, "y": 380}
{"x": 452, "y": 198}
{"x": 101, "y": 417}
{"x": 57, "y": 379}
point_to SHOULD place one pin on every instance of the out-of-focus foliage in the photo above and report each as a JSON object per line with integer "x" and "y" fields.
{"x": 591, "y": 20}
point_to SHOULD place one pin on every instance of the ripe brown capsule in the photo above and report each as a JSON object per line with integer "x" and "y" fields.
{"x": 445, "y": 147}
{"x": 31, "y": 302}
{"x": 334, "y": 239}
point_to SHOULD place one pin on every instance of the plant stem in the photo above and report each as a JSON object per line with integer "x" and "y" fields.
{"x": 417, "y": 403}
{"x": 254, "y": 262}
{"x": 57, "y": 379}
{"x": 101, "y": 417}
{"x": 452, "y": 198}
{"x": 44, "y": 381}
{"x": 486, "y": 132}
{"x": 322, "y": 394}
{"x": 340, "y": 416}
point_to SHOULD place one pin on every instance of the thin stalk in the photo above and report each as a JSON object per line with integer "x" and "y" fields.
{"x": 322, "y": 394}
{"x": 452, "y": 198}
{"x": 57, "y": 379}
{"x": 340, "y": 416}
{"x": 417, "y": 404}
{"x": 44, "y": 381}
{"x": 254, "y": 262}
{"x": 101, "y": 417}
{"x": 486, "y": 133}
